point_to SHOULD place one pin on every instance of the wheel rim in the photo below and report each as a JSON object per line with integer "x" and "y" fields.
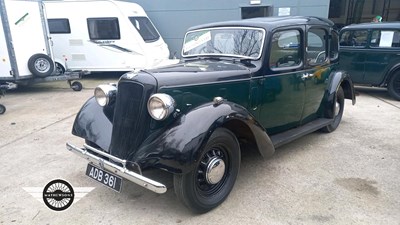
{"x": 337, "y": 108}
{"x": 42, "y": 65}
{"x": 212, "y": 171}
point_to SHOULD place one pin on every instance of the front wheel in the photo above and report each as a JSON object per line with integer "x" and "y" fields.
{"x": 394, "y": 86}
{"x": 337, "y": 113}
{"x": 210, "y": 183}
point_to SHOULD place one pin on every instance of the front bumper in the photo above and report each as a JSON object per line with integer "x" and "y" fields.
{"x": 116, "y": 169}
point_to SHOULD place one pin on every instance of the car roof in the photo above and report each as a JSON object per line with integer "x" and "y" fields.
{"x": 383, "y": 25}
{"x": 269, "y": 23}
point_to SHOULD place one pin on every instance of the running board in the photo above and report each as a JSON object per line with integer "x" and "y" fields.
{"x": 295, "y": 133}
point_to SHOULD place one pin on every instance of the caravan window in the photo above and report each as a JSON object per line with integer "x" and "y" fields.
{"x": 103, "y": 28}
{"x": 145, "y": 28}
{"x": 59, "y": 26}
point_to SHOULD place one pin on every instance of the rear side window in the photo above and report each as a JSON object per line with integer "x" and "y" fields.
{"x": 356, "y": 38}
{"x": 103, "y": 28}
{"x": 334, "y": 46}
{"x": 316, "y": 46}
{"x": 285, "y": 49}
{"x": 59, "y": 26}
{"x": 145, "y": 28}
{"x": 385, "y": 38}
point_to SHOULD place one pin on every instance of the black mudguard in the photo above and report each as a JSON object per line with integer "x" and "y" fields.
{"x": 93, "y": 125}
{"x": 176, "y": 148}
{"x": 343, "y": 79}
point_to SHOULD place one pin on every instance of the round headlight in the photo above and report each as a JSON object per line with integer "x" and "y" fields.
{"x": 104, "y": 94}
{"x": 160, "y": 106}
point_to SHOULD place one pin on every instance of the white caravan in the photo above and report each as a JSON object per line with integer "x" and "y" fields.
{"x": 104, "y": 35}
{"x": 25, "y": 51}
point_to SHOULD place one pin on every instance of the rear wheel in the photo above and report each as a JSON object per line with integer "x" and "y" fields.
{"x": 337, "y": 113}
{"x": 41, "y": 65}
{"x": 2, "y": 109}
{"x": 210, "y": 183}
{"x": 394, "y": 86}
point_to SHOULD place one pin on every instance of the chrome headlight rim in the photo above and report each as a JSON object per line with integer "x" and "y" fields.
{"x": 104, "y": 94}
{"x": 167, "y": 106}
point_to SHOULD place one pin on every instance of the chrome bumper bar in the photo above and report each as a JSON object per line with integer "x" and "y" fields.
{"x": 116, "y": 169}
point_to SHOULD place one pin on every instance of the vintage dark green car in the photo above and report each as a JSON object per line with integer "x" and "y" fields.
{"x": 370, "y": 53}
{"x": 257, "y": 83}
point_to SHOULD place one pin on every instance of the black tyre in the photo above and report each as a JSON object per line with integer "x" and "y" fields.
{"x": 210, "y": 183}
{"x": 41, "y": 65}
{"x": 337, "y": 113}
{"x": 2, "y": 109}
{"x": 394, "y": 86}
{"x": 76, "y": 86}
{"x": 60, "y": 70}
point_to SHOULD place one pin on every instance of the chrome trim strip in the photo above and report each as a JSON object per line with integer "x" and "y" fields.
{"x": 118, "y": 170}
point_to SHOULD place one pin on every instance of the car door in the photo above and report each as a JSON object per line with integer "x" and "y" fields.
{"x": 383, "y": 54}
{"x": 353, "y": 53}
{"x": 317, "y": 70}
{"x": 282, "y": 91}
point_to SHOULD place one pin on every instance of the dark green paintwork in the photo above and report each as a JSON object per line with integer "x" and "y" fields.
{"x": 369, "y": 64}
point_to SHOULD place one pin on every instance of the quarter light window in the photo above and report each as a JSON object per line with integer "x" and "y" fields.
{"x": 103, "y": 28}
{"x": 59, "y": 26}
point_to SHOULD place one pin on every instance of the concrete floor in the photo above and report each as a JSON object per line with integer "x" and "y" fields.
{"x": 350, "y": 176}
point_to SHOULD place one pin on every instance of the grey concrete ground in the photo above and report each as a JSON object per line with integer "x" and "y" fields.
{"x": 350, "y": 176}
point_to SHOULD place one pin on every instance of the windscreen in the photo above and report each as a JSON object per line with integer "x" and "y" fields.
{"x": 145, "y": 28}
{"x": 237, "y": 42}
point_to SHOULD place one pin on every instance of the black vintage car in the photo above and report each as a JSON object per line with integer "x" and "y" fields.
{"x": 241, "y": 84}
{"x": 370, "y": 53}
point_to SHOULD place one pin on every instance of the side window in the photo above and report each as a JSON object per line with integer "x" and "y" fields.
{"x": 345, "y": 38}
{"x": 357, "y": 38}
{"x": 385, "y": 38}
{"x": 145, "y": 28}
{"x": 360, "y": 37}
{"x": 59, "y": 26}
{"x": 103, "y": 28}
{"x": 285, "y": 49}
{"x": 316, "y": 46}
{"x": 334, "y": 44}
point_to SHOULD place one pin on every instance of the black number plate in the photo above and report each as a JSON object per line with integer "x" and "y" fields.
{"x": 104, "y": 177}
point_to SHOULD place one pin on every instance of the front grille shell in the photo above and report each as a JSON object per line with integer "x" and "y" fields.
{"x": 131, "y": 122}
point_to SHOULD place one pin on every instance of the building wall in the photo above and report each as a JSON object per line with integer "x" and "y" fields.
{"x": 173, "y": 17}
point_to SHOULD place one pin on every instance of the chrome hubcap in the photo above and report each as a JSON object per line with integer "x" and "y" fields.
{"x": 337, "y": 109}
{"x": 215, "y": 170}
{"x": 42, "y": 65}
